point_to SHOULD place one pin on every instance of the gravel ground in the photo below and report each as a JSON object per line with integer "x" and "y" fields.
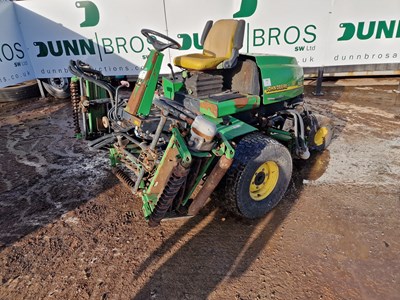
{"x": 70, "y": 230}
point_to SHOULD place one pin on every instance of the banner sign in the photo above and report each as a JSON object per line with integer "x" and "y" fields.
{"x": 15, "y": 65}
{"x": 106, "y": 34}
{"x": 363, "y": 32}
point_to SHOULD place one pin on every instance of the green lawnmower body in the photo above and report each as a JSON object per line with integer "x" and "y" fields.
{"x": 157, "y": 133}
{"x": 281, "y": 79}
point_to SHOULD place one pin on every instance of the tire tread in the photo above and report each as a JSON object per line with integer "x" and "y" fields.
{"x": 249, "y": 147}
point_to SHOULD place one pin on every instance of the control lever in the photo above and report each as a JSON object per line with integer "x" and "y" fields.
{"x": 172, "y": 71}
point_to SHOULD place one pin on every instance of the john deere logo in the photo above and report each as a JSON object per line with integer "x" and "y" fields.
{"x": 373, "y": 29}
{"x": 247, "y": 9}
{"x": 92, "y": 15}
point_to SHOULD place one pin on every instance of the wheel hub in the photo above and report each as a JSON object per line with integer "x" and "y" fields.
{"x": 260, "y": 177}
{"x": 320, "y": 136}
{"x": 58, "y": 82}
{"x": 264, "y": 181}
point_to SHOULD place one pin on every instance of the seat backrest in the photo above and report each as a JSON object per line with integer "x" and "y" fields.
{"x": 224, "y": 38}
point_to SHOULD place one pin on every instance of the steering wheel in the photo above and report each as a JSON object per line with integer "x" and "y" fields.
{"x": 158, "y": 45}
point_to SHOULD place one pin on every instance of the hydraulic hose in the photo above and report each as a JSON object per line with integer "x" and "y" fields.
{"x": 88, "y": 69}
{"x": 172, "y": 110}
{"x": 77, "y": 71}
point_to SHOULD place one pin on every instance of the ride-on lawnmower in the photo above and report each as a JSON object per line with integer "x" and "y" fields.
{"x": 227, "y": 126}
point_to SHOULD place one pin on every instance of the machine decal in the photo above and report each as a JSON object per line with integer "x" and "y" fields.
{"x": 280, "y": 88}
{"x": 267, "y": 82}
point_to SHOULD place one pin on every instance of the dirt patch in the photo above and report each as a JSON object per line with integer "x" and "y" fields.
{"x": 70, "y": 230}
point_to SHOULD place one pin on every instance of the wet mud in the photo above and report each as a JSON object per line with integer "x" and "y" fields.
{"x": 70, "y": 230}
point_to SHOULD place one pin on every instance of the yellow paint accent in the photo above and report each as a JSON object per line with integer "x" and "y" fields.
{"x": 273, "y": 91}
{"x": 136, "y": 121}
{"x": 217, "y": 48}
{"x": 264, "y": 189}
{"x": 219, "y": 41}
{"x": 198, "y": 61}
{"x": 320, "y": 136}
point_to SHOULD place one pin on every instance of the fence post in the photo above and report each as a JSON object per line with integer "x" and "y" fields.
{"x": 318, "y": 88}
{"x": 42, "y": 94}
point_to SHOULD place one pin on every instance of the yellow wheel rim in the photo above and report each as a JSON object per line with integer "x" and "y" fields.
{"x": 320, "y": 136}
{"x": 264, "y": 180}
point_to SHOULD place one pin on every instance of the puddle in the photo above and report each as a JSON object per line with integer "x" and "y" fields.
{"x": 315, "y": 166}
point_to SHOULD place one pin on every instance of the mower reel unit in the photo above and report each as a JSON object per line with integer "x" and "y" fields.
{"x": 230, "y": 117}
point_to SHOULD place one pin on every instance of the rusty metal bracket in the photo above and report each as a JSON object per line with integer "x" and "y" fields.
{"x": 211, "y": 183}
{"x": 182, "y": 149}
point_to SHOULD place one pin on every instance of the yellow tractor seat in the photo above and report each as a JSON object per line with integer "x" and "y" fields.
{"x": 221, "y": 43}
{"x": 197, "y": 61}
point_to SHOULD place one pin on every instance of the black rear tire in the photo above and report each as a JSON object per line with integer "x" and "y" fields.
{"x": 252, "y": 152}
{"x": 20, "y": 91}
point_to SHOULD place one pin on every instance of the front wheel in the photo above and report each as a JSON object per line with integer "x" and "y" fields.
{"x": 258, "y": 177}
{"x": 320, "y": 132}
